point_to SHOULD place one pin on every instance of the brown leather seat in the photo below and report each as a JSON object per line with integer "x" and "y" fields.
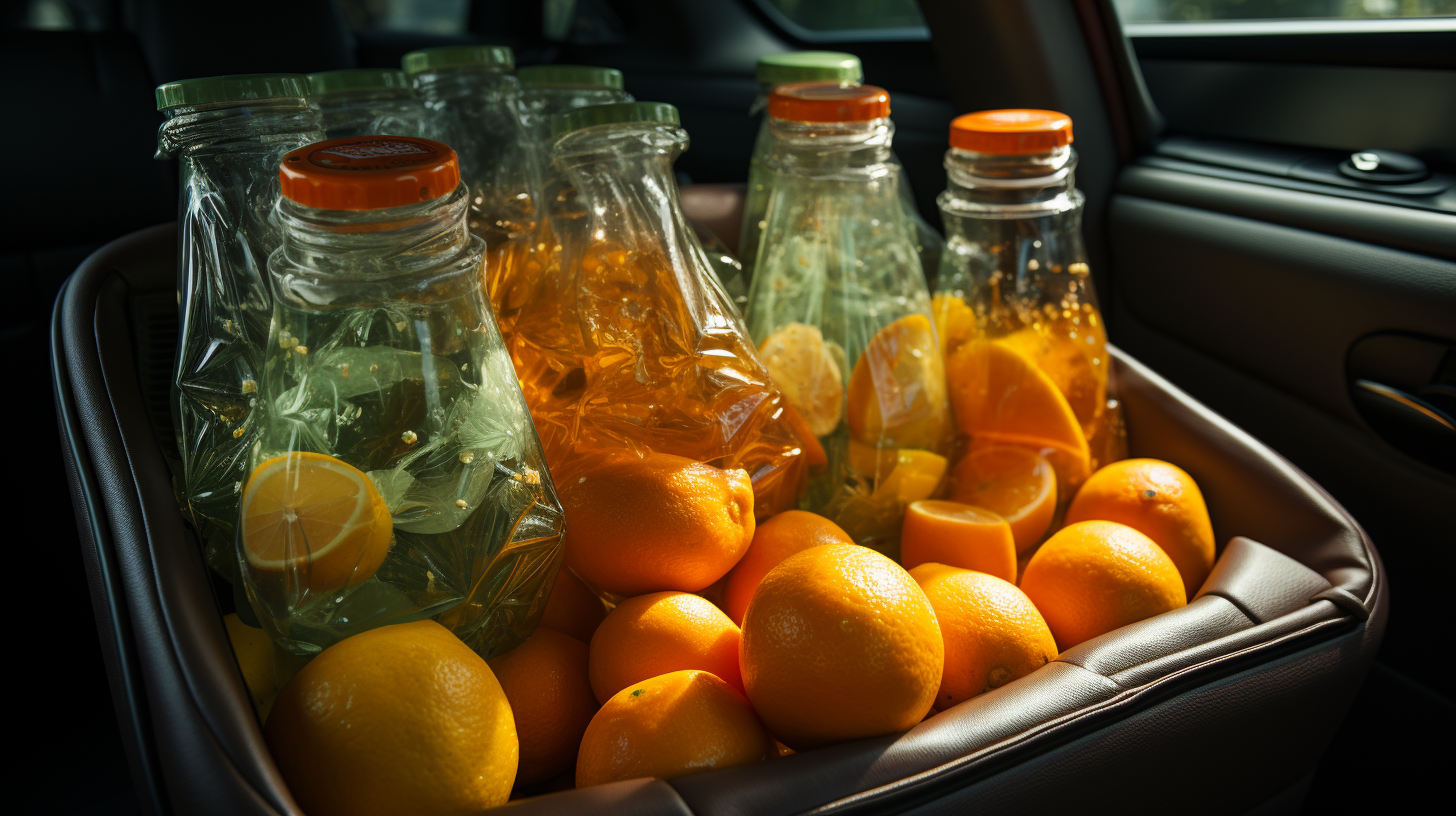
{"x": 1222, "y": 706}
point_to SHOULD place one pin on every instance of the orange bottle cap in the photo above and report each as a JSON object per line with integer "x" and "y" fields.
{"x": 369, "y": 173}
{"x": 828, "y": 102}
{"x": 1013, "y": 131}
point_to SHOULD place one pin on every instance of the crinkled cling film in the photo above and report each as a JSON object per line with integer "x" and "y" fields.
{"x": 841, "y": 312}
{"x": 399, "y": 477}
{"x": 228, "y": 155}
{"x": 626, "y": 339}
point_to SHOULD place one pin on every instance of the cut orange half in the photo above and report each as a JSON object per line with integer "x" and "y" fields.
{"x": 802, "y": 366}
{"x": 1001, "y": 396}
{"x": 957, "y": 535}
{"x": 315, "y": 522}
{"x": 1017, "y": 484}
{"x": 897, "y": 390}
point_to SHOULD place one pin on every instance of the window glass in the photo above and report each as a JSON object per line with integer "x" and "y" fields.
{"x": 1178, "y": 11}
{"x": 847, "y": 15}
{"x": 424, "y": 16}
{"x": 63, "y": 15}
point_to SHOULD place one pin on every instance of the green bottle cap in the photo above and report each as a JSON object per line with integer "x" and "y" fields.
{"x": 358, "y": 79}
{"x": 456, "y": 56}
{"x": 231, "y": 88}
{"x": 570, "y": 76}
{"x": 618, "y": 113}
{"x": 809, "y": 66}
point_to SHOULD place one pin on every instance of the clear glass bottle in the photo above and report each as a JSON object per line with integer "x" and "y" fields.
{"x": 367, "y": 101}
{"x": 810, "y": 66}
{"x": 227, "y": 134}
{"x": 840, "y": 309}
{"x": 473, "y": 103}
{"x": 386, "y": 373}
{"x": 632, "y": 343}
{"x": 1015, "y": 257}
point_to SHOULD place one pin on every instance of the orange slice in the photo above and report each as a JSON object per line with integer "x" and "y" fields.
{"x": 1001, "y": 396}
{"x": 1017, "y": 484}
{"x": 916, "y": 475}
{"x": 897, "y": 390}
{"x": 314, "y": 521}
{"x": 802, "y": 366}
{"x": 957, "y": 535}
{"x": 1068, "y": 363}
{"x": 955, "y": 323}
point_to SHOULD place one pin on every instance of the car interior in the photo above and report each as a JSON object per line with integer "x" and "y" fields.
{"x": 1271, "y": 223}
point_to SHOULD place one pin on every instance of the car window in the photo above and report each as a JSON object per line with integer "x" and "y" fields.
{"x": 422, "y": 16}
{"x": 860, "y": 19}
{"x": 1188, "y": 11}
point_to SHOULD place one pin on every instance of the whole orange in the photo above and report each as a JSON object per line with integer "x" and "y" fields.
{"x": 840, "y": 643}
{"x": 659, "y": 633}
{"x": 658, "y": 522}
{"x": 1095, "y": 576}
{"x": 673, "y": 725}
{"x": 399, "y": 719}
{"x": 545, "y": 680}
{"x": 1159, "y": 500}
{"x": 993, "y": 633}
{"x": 778, "y": 538}
{"x": 572, "y": 609}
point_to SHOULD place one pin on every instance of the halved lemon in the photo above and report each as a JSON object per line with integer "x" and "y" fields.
{"x": 1017, "y": 484}
{"x": 314, "y": 521}
{"x": 803, "y": 367}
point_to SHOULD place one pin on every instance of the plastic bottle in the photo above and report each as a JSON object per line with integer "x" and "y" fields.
{"x": 1015, "y": 257}
{"x": 472, "y": 103}
{"x": 810, "y": 66}
{"x": 840, "y": 308}
{"x": 384, "y": 358}
{"x": 552, "y": 89}
{"x": 227, "y": 134}
{"x": 631, "y": 343}
{"x": 367, "y": 101}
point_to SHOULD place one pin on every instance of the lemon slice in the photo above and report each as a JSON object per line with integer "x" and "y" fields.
{"x": 316, "y": 520}
{"x": 803, "y": 367}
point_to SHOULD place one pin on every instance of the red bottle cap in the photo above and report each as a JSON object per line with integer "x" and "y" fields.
{"x": 369, "y": 173}
{"x": 1010, "y": 132}
{"x": 828, "y": 102}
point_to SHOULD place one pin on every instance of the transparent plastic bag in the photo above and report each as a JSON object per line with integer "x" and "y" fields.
{"x": 1026, "y": 347}
{"x": 789, "y": 68}
{"x": 628, "y": 340}
{"x": 841, "y": 312}
{"x": 367, "y": 101}
{"x": 228, "y": 134}
{"x": 399, "y": 477}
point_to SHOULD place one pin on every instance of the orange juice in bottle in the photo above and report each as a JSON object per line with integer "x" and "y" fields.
{"x": 628, "y": 340}
{"x": 1026, "y": 347}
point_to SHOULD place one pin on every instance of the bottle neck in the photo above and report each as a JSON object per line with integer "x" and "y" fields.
{"x": 198, "y": 130}
{"x": 331, "y": 258}
{"x": 623, "y": 178}
{"x": 539, "y": 104}
{"x": 983, "y": 185}
{"x": 474, "y": 83}
{"x": 832, "y": 149}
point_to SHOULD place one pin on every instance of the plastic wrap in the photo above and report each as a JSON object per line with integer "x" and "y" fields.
{"x": 841, "y": 313}
{"x": 394, "y": 406}
{"x": 628, "y": 342}
{"x": 228, "y": 155}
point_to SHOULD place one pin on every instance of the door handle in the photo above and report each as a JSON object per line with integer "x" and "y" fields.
{"x": 1409, "y": 422}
